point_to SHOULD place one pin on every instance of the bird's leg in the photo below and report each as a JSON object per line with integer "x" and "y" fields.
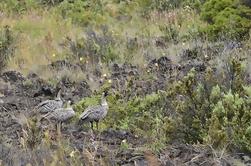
{"x": 98, "y": 133}
{"x": 58, "y": 127}
{"x": 97, "y": 124}
{"x": 61, "y": 125}
{"x": 91, "y": 125}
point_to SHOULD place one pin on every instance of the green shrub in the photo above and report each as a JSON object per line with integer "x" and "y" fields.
{"x": 82, "y": 12}
{"x": 228, "y": 113}
{"x": 212, "y": 113}
{"x": 212, "y": 7}
{"x": 94, "y": 47}
{"x": 18, "y": 7}
{"x": 170, "y": 32}
{"x": 141, "y": 116}
{"x": 226, "y": 18}
{"x": 229, "y": 122}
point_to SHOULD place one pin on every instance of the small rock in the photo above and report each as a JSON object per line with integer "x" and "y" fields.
{"x": 12, "y": 76}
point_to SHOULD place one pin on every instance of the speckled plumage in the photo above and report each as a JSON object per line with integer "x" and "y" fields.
{"x": 95, "y": 113}
{"x": 61, "y": 114}
{"x": 50, "y": 105}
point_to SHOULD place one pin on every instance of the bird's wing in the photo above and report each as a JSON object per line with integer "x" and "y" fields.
{"x": 66, "y": 115}
{"x": 90, "y": 111}
{"x": 43, "y": 103}
{"x": 47, "y": 106}
{"x": 53, "y": 114}
{"x": 49, "y": 115}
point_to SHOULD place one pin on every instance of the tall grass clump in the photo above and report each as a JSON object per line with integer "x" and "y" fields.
{"x": 7, "y": 46}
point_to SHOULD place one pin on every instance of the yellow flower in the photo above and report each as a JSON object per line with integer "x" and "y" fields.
{"x": 104, "y": 75}
{"x": 53, "y": 55}
{"x": 81, "y": 58}
{"x": 109, "y": 81}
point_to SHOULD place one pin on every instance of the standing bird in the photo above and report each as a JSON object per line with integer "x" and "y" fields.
{"x": 95, "y": 113}
{"x": 61, "y": 114}
{"x": 50, "y": 105}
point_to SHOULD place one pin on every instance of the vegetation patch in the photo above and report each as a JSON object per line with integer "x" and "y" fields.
{"x": 7, "y": 46}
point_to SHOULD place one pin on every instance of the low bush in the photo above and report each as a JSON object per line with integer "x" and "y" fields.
{"x": 211, "y": 111}
{"x": 81, "y": 11}
{"x": 18, "y": 7}
{"x": 226, "y": 18}
{"x": 94, "y": 47}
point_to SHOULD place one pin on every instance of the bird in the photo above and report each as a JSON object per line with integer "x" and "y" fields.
{"x": 50, "y": 105}
{"x": 61, "y": 114}
{"x": 95, "y": 113}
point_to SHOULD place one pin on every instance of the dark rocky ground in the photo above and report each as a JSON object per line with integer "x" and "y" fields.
{"x": 19, "y": 94}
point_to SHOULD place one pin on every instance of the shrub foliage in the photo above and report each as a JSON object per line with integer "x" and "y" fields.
{"x": 226, "y": 17}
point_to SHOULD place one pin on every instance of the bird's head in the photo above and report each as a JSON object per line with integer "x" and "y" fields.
{"x": 68, "y": 103}
{"x": 103, "y": 99}
{"x": 105, "y": 94}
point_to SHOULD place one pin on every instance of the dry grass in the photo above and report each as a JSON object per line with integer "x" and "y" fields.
{"x": 39, "y": 35}
{"x": 36, "y": 148}
{"x": 41, "y": 32}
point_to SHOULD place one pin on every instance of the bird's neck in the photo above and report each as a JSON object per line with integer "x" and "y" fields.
{"x": 68, "y": 105}
{"x": 58, "y": 98}
{"x": 104, "y": 102}
{"x": 59, "y": 95}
